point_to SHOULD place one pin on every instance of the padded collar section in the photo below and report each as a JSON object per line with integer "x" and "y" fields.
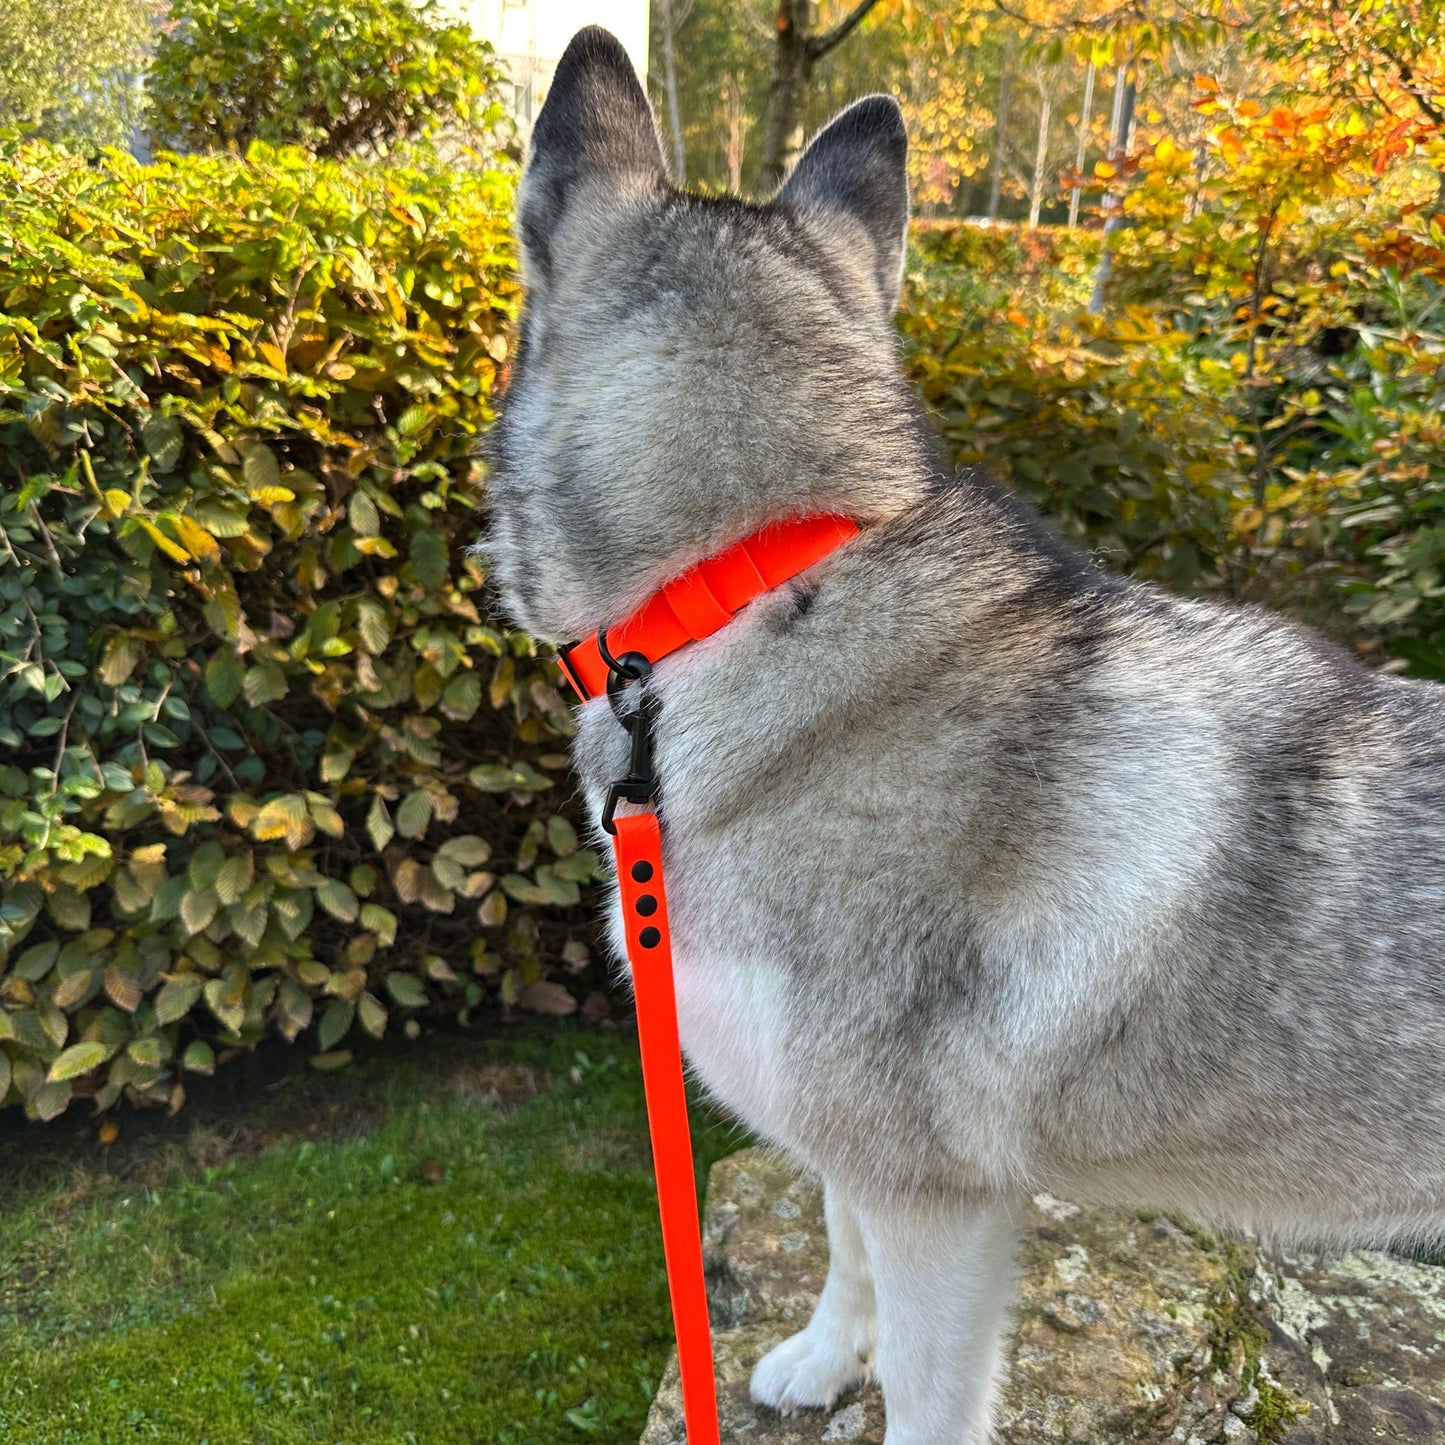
{"x": 708, "y": 596}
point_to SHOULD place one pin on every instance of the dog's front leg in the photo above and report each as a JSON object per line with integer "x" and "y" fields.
{"x": 944, "y": 1279}
{"x": 835, "y": 1351}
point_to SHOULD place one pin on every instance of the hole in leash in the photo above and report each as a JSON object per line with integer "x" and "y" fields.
{"x": 649, "y": 938}
{"x": 642, "y": 872}
{"x": 647, "y": 905}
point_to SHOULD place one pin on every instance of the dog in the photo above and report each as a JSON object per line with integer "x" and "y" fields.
{"x": 990, "y": 872}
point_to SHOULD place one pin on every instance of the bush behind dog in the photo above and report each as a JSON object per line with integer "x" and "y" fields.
{"x": 1281, "y": 446}
{"x": 265, "y": 761}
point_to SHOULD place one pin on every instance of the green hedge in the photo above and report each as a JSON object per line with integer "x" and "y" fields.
{"x": 1141, "y": 431}
{"x": 1110, "y": 425}
{"x": 266, "y": 763}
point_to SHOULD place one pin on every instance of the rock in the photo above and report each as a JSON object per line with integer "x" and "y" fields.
{"x": 1360, "y": 1340}
{"x": 1129, "y": 1328}
{"x": 767, "y": 1256}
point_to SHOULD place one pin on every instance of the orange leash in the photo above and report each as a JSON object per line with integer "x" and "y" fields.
{"x": 637, "y": 847}
{"x": 689, "y": 608}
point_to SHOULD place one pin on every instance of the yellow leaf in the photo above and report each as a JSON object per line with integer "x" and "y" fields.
{"x": 241, "y": 811}
{"x": 70, "y": 991}
{"x": 116, "y": 500}
{"x": 196, "y": 540}
{"x": 394, "y": 300}
{"x": 118, "y": 660}
{"x": 171, "y": 549}
{"x": 285, "y": 817}
{"x": 76, "y": 1060}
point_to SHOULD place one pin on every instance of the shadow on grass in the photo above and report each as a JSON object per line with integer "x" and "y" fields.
{"x": 257, "y": 1098}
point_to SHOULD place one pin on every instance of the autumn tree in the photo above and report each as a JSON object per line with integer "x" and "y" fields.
{"x": 1390, "y": 57}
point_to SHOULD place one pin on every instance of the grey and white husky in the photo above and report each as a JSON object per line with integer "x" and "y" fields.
{"x": 989, "y": 872}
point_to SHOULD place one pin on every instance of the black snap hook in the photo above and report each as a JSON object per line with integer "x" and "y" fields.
{"x": 640, "y": 784}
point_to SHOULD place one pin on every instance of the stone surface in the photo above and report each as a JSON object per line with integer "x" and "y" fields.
{"x": 1360, "y": 1341}
{"x": 1129, "y": 1328}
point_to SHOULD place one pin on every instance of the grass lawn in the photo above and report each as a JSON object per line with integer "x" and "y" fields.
{"x": 452, "y": 1242}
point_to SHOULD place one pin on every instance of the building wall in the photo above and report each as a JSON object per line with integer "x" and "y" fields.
{"x": 530, "y": 36}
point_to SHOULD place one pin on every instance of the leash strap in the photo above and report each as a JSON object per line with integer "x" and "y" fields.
{"x": 617, "y": 661}
{"x": 637, "y": 847}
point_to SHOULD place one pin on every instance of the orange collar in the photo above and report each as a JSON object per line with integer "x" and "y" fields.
{"x": 706, "y": 597}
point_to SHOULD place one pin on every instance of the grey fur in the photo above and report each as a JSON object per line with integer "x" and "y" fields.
{"x": 989, "y": 872}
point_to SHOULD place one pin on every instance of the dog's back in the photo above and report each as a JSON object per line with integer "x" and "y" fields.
{"x": 988, "y": 871}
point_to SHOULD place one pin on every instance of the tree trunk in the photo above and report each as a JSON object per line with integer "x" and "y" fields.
{"x": 1041, "y": 155}
{"x": 799, "y": 48}
{"x": 1201, "y": 170}
{"x": 787, "y": 94}
{"x": 733, "y": 153}
{"x": 1000, "y": 133}
{"x": 669, "y": 80}
{"x": 1083, "y": 150}
{"x": 1123, "y": 123}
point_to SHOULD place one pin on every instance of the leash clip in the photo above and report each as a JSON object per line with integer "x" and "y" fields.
{"x": 640, "y": 784}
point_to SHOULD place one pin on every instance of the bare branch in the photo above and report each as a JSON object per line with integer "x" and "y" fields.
{"x": 819, "y": 45}
{"x": 1110, "y": 19}
{"x": 1416, "y": 91}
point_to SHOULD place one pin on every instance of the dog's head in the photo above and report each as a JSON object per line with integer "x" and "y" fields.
{"x": 690, "y": 368}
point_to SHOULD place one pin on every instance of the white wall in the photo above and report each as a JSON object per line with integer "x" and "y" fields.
{"x": 530, "y": 36}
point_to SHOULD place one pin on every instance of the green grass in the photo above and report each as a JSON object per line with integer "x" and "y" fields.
{"x": 435, "y": 1267}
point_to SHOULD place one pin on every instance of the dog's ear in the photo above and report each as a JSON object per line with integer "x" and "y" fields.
{"x": 596, "y": 124}
{"x": 856, "y": 169}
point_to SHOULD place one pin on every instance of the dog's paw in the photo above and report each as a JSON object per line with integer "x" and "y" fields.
{"x": 809, "y": 1371}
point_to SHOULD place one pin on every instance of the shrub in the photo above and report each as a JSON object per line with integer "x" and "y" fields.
{"x": 1358, "y": 511}
{"x": 1297, "y": 248}
{"x": 338, "y": 79}
{"x": 1258, "y": 411}
{"x": 266, "y": 763}
{"x": 1046, "y": 269}
{"x": 69, "y": 68}
{"x": 1111, "y": 426}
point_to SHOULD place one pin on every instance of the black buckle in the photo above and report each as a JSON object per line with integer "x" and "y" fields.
{"x": 640, "y": 784}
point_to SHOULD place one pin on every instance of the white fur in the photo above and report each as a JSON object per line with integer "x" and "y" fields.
{"x": 835, "y": 1352}
{"x": 944, "y": 1279}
